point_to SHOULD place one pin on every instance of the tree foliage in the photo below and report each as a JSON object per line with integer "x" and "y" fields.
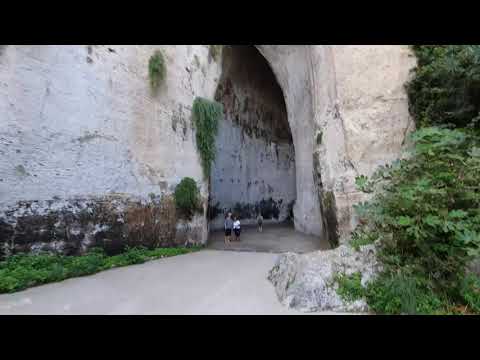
{"x": 445, "y": 90}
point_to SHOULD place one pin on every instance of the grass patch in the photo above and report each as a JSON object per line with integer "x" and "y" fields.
{"x": 395, "y": 294}
{"x": 404, "y": 294}
{"x": 22, "y": 271}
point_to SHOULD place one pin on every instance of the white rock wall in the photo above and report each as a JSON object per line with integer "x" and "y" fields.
{"x": 254, "y": 168}
{"x": 80, "y": 121}
{"x": 373, "y": 102}
{"x": 249, "y": 170}
{"x": 75, "y": 123}
{"x": 373, "y": 107}
{"x": 349, "y": 113}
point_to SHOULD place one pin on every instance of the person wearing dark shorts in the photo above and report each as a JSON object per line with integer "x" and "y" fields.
{"x": 228, "y": 228}
{"x": 260, "y": 222}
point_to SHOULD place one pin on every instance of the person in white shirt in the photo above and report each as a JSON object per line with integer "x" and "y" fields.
{"x": 260, "y": 222}
{"x": 236, "y": 228}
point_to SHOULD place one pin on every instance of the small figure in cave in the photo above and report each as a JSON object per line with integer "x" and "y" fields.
{"x": 236, "y": 228}
{"x": 228, "y": 227}
{"x": 260, "y": 222}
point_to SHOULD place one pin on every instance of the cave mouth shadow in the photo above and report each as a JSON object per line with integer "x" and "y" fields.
{"x": 254, "y": 170}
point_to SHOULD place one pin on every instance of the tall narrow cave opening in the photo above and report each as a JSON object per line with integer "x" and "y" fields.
{"x": 254, "y": 170}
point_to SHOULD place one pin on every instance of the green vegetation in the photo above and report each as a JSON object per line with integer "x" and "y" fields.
{"x": 350, "y": 287}
{"x": 187, "y": 197}
{"x": 446, "y": 88}
{"x": 215, "y": 51}
{"x": 424, "y": 216}
{"x": 470, "y": 292}
{"x": 206, "y": 115}
{"x": 361, "y": 237}
{"x": 393, "y": 294}
{"x": 21, "y": 271}
{"x": 157, "y": 69}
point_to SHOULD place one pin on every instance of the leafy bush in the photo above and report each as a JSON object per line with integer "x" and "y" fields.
{"x": 361, "y": 237}
{"x": 350, "y": 287}
{"x": 21, "y": 271}
{"x": 470, "y": 292}
{"x": 399, "y": 293}
{"x": 425, "y": 211}
{"x": 206, "y": 115}
{"x": 156, "y": 69}
{"x": 187, "y": 197}
{"x": 392, "y": 294}
{"x": 427, "y": 214}
{"x": 446, "y": 87}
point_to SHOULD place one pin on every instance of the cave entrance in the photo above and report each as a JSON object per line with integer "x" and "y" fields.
{"x": 254, "y": 171}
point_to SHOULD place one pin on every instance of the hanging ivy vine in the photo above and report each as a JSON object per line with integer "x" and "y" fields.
{"x": 156, "y": 69}
{"x": 206, "y": 115}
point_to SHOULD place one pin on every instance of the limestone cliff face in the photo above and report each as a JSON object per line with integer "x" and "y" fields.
{"x": 254, "y": 169}
{"x": 80, "y": 123}
{"x": 331, "y": 92}
{"x": 373, "y": 108}
{"x": 373, "y": 103}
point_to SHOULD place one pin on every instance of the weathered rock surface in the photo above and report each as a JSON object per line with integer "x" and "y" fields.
{"x": 254, "y": 146}
{"x": 80, "y": 121}
{"x": 74, "y": 226}
{"x": 307, "y": 282}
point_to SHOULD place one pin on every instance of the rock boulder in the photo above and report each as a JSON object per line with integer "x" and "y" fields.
{"x": 306, "y": 282}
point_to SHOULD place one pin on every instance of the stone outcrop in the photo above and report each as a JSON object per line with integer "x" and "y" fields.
{"x": 110, "y": 222}
{"x": 307, "y": 282}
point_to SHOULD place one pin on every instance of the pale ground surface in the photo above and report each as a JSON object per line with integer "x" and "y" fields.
{"x": 206, "y": 282}
{"x": 273, "y": 239}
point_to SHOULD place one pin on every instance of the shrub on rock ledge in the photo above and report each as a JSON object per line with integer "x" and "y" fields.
{"x": 187, "y": 197}
{"x": 156, "y": 69}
